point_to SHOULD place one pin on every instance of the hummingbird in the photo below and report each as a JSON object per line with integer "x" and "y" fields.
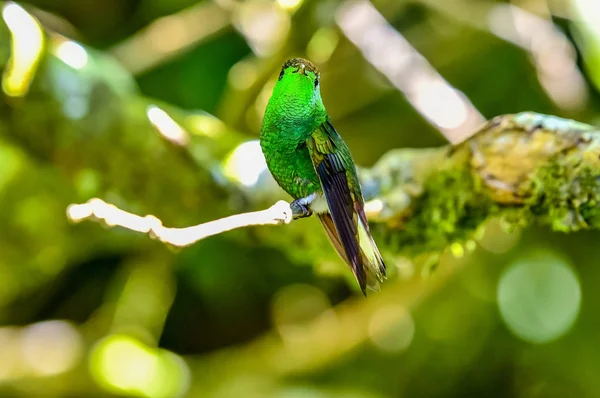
{"x": 310, "y": 161}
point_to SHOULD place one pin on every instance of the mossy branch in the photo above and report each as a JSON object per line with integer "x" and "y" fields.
{"x": 524, "y": 168}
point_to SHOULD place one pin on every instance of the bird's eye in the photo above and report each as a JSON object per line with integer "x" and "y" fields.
{"x": 280, "y": 75}
{"x": 316, "y": 82}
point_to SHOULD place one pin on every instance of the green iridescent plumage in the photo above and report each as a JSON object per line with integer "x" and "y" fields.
{"x": 311, "y": 162}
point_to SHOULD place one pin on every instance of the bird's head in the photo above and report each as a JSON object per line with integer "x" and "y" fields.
{"x": 298, "y": 87}
{"x": 300, "y": 74}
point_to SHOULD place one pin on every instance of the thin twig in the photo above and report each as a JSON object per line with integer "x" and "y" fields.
{"x": 553, "y": 55}
{"x": 171, "y": 35}
{"x": 444, "y": 106}
{"x": 97, "y": 209}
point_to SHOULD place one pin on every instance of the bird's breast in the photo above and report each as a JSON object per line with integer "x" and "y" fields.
{"x": 319, "y": 204}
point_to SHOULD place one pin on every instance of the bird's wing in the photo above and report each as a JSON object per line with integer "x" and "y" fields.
{"x": 335, "y": 168}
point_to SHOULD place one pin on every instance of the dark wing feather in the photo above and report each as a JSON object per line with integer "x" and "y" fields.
{"x": 337, "y": 193}
{"x": 330, "y": 168}
{"x": 327, "y": 223}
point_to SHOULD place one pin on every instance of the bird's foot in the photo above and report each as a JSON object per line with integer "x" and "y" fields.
{"x": 300, "y": 209}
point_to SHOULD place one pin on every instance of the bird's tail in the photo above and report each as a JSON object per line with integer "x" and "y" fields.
{"x": 371, "y": 265}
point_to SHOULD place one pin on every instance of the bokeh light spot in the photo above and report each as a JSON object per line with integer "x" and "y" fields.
{"x": 12, "y": 162}
{"x": 26, "y": 49}
{"x": 392, "y": 328}
{"x": 457, "y": 250}
{"x": 289, "y": 5}
{"x": 264, "y": 24}
{"x": 246, "y": 163}
{"x": 322, "y": 44}
{"x": 496, "y": 240}
{"x": 50, "y": 347}
{"x": 166, "y": 126}
{"x": 301, "y": 310}
{"x": 87, "y": 182}
{"x": 72, "y": 54}
{"x": 539, "y": 298}
{"x": 122, "y": 364}
{"x": 243, "y": 75}
{"x": 206, "y": 125}
{"x": 9, "y": 347}
{"x": 298, "y": 304}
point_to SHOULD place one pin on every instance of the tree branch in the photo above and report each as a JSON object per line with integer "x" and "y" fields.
{"x": 97, "y": 209}
{"x": 524, "y": 168}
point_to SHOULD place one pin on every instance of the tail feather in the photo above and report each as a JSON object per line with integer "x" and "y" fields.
{"x": 371, "y": 268}
{"x": 370, "y": 256}
{"x": 367, "y": 243}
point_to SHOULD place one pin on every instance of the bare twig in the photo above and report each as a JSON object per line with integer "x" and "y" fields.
{"x": 169, "y": 36}
{"x": 553, "y": 55}
{"x": 97, "y": 209}
{"x": 445, "y": 107}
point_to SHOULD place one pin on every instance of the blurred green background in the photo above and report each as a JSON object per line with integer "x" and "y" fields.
{"x": 92, "y": 91}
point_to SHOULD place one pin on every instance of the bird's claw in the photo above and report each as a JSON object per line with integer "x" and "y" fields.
{"x": 299, "y": 209}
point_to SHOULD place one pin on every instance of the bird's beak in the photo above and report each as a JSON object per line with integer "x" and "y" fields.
{"x": 301, "y": 69}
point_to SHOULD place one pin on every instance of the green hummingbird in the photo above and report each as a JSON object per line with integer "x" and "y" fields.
{"x": 311, "y": 162}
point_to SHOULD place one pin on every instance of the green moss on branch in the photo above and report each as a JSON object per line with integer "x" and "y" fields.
{"x": 525, "y": 168}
